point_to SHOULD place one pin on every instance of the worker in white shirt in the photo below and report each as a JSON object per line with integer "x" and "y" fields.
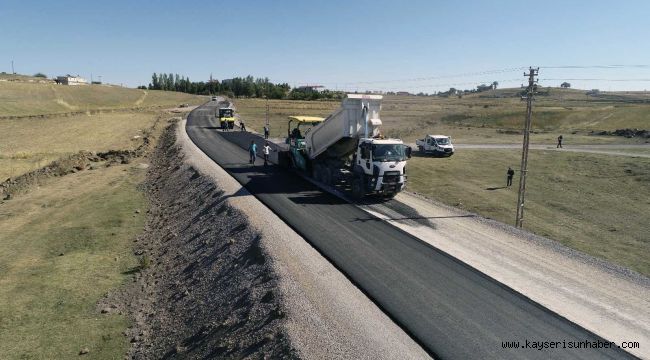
{"x": 266, "y": 150}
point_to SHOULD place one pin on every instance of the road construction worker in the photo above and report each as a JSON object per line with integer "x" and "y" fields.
{"x": 242, "y": 125}
{"x": 266, "y": 132}
{"x": 252, "y": 152}
{"x": 510, "y": 173}
{"x": 266, "y": 150}
{"x": 559, "y": 142}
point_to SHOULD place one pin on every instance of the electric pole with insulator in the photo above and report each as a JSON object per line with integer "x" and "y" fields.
{"x": 530, "y": 93}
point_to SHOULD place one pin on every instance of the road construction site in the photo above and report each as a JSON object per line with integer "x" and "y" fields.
{"x": 456, "y": 283}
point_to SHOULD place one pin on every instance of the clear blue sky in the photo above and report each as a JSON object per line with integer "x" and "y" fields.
{"x": 335, "y": 43}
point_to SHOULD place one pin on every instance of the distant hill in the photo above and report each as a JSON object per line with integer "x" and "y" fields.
{"x": 27, "y": 96}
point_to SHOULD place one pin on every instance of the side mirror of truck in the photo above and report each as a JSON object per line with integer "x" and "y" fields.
{"x": 408, "y": 150}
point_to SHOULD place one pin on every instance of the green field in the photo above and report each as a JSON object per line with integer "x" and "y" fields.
{"x": 68, "y": 241}
{"x": 592, "y": 203}
{"x": 62, "y": 247}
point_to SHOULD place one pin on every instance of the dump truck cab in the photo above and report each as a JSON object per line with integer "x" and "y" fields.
{"x": 347, "y": 150}
{"x": 379, "y": 166}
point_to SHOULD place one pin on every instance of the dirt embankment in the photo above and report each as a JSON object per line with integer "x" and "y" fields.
{"x": 205, "y": 287}
{"x": 83, "y": 160}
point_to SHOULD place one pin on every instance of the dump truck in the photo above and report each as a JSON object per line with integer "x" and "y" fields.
{"x": 226, "y": 116}
{"x": 347, "y": 149}
{"x": 437, "y": 145}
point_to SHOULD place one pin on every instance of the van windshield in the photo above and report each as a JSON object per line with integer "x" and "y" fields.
{"x": 388, "y": 152}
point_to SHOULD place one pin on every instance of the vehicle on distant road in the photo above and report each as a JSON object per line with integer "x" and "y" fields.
{"x": 347, "y": 148}
{"x": 437, "y": 145}
{"x": 214, "y": 98}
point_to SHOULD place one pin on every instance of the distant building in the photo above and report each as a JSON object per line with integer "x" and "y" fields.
{"x": 71, "y": 80}
{"x": 311, "y": 87}
{"x": 403, "y": 93}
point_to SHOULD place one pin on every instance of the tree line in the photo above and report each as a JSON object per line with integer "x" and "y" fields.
{"x": 237, "y": 87}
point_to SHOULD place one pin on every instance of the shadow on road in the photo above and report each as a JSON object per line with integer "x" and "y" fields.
{"x": 411, "y": 218}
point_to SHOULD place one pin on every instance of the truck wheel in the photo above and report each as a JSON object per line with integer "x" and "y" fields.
{"x": 357, "y": 188}
{"x": 316, "y": 172}
{"x": 327, "y": 176}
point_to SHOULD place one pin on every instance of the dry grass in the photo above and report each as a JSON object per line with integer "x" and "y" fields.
{"x": 593, "y": 203}
{"x": 63, "y": 246}
{"x": 24, "y": 99}
{"x": 103, "y": 118}
{"x": 31, "y": 143}
{"x": 478, "y": 118}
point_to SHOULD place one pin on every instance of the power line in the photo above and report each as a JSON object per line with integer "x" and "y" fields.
{"x": 437, "y": 85}
{"x": 593, "y": 79}
{"x": 425, "y": 78}
{"x": 491, "y": 72}
{"x": 596, "y": 66}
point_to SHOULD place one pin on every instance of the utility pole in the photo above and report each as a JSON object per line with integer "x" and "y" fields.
{"x": 267, "y": 111}
{"x": 530, "y": 92}
{"x": 13, "y": 72}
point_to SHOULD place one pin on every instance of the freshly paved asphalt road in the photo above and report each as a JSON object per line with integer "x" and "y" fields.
{"x": 452, "y": 310}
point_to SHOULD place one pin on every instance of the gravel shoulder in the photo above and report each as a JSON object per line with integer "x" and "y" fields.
{"x": 606, "y": 299}
{"x": 326, "y": 316}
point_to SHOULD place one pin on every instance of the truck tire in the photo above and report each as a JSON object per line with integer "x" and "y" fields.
{"x": 316, "y": 172}
{"x": 327, "y": 176}
{"x": 358, "y": 190}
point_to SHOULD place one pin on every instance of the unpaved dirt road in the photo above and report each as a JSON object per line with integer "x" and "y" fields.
{"x": 616, "y": 150}
{"x": 450, "y": 308}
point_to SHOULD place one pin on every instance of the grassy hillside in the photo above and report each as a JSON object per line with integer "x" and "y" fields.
{"x": 67, "y": 242}
{"x": 29, "y": 144}
{"x": 62, "y": 247}
{"x": 72, "y": 121}
{"x": 24, "y": 98}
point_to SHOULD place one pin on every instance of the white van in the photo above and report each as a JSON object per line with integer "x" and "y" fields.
{"x": 438, "y": 145}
